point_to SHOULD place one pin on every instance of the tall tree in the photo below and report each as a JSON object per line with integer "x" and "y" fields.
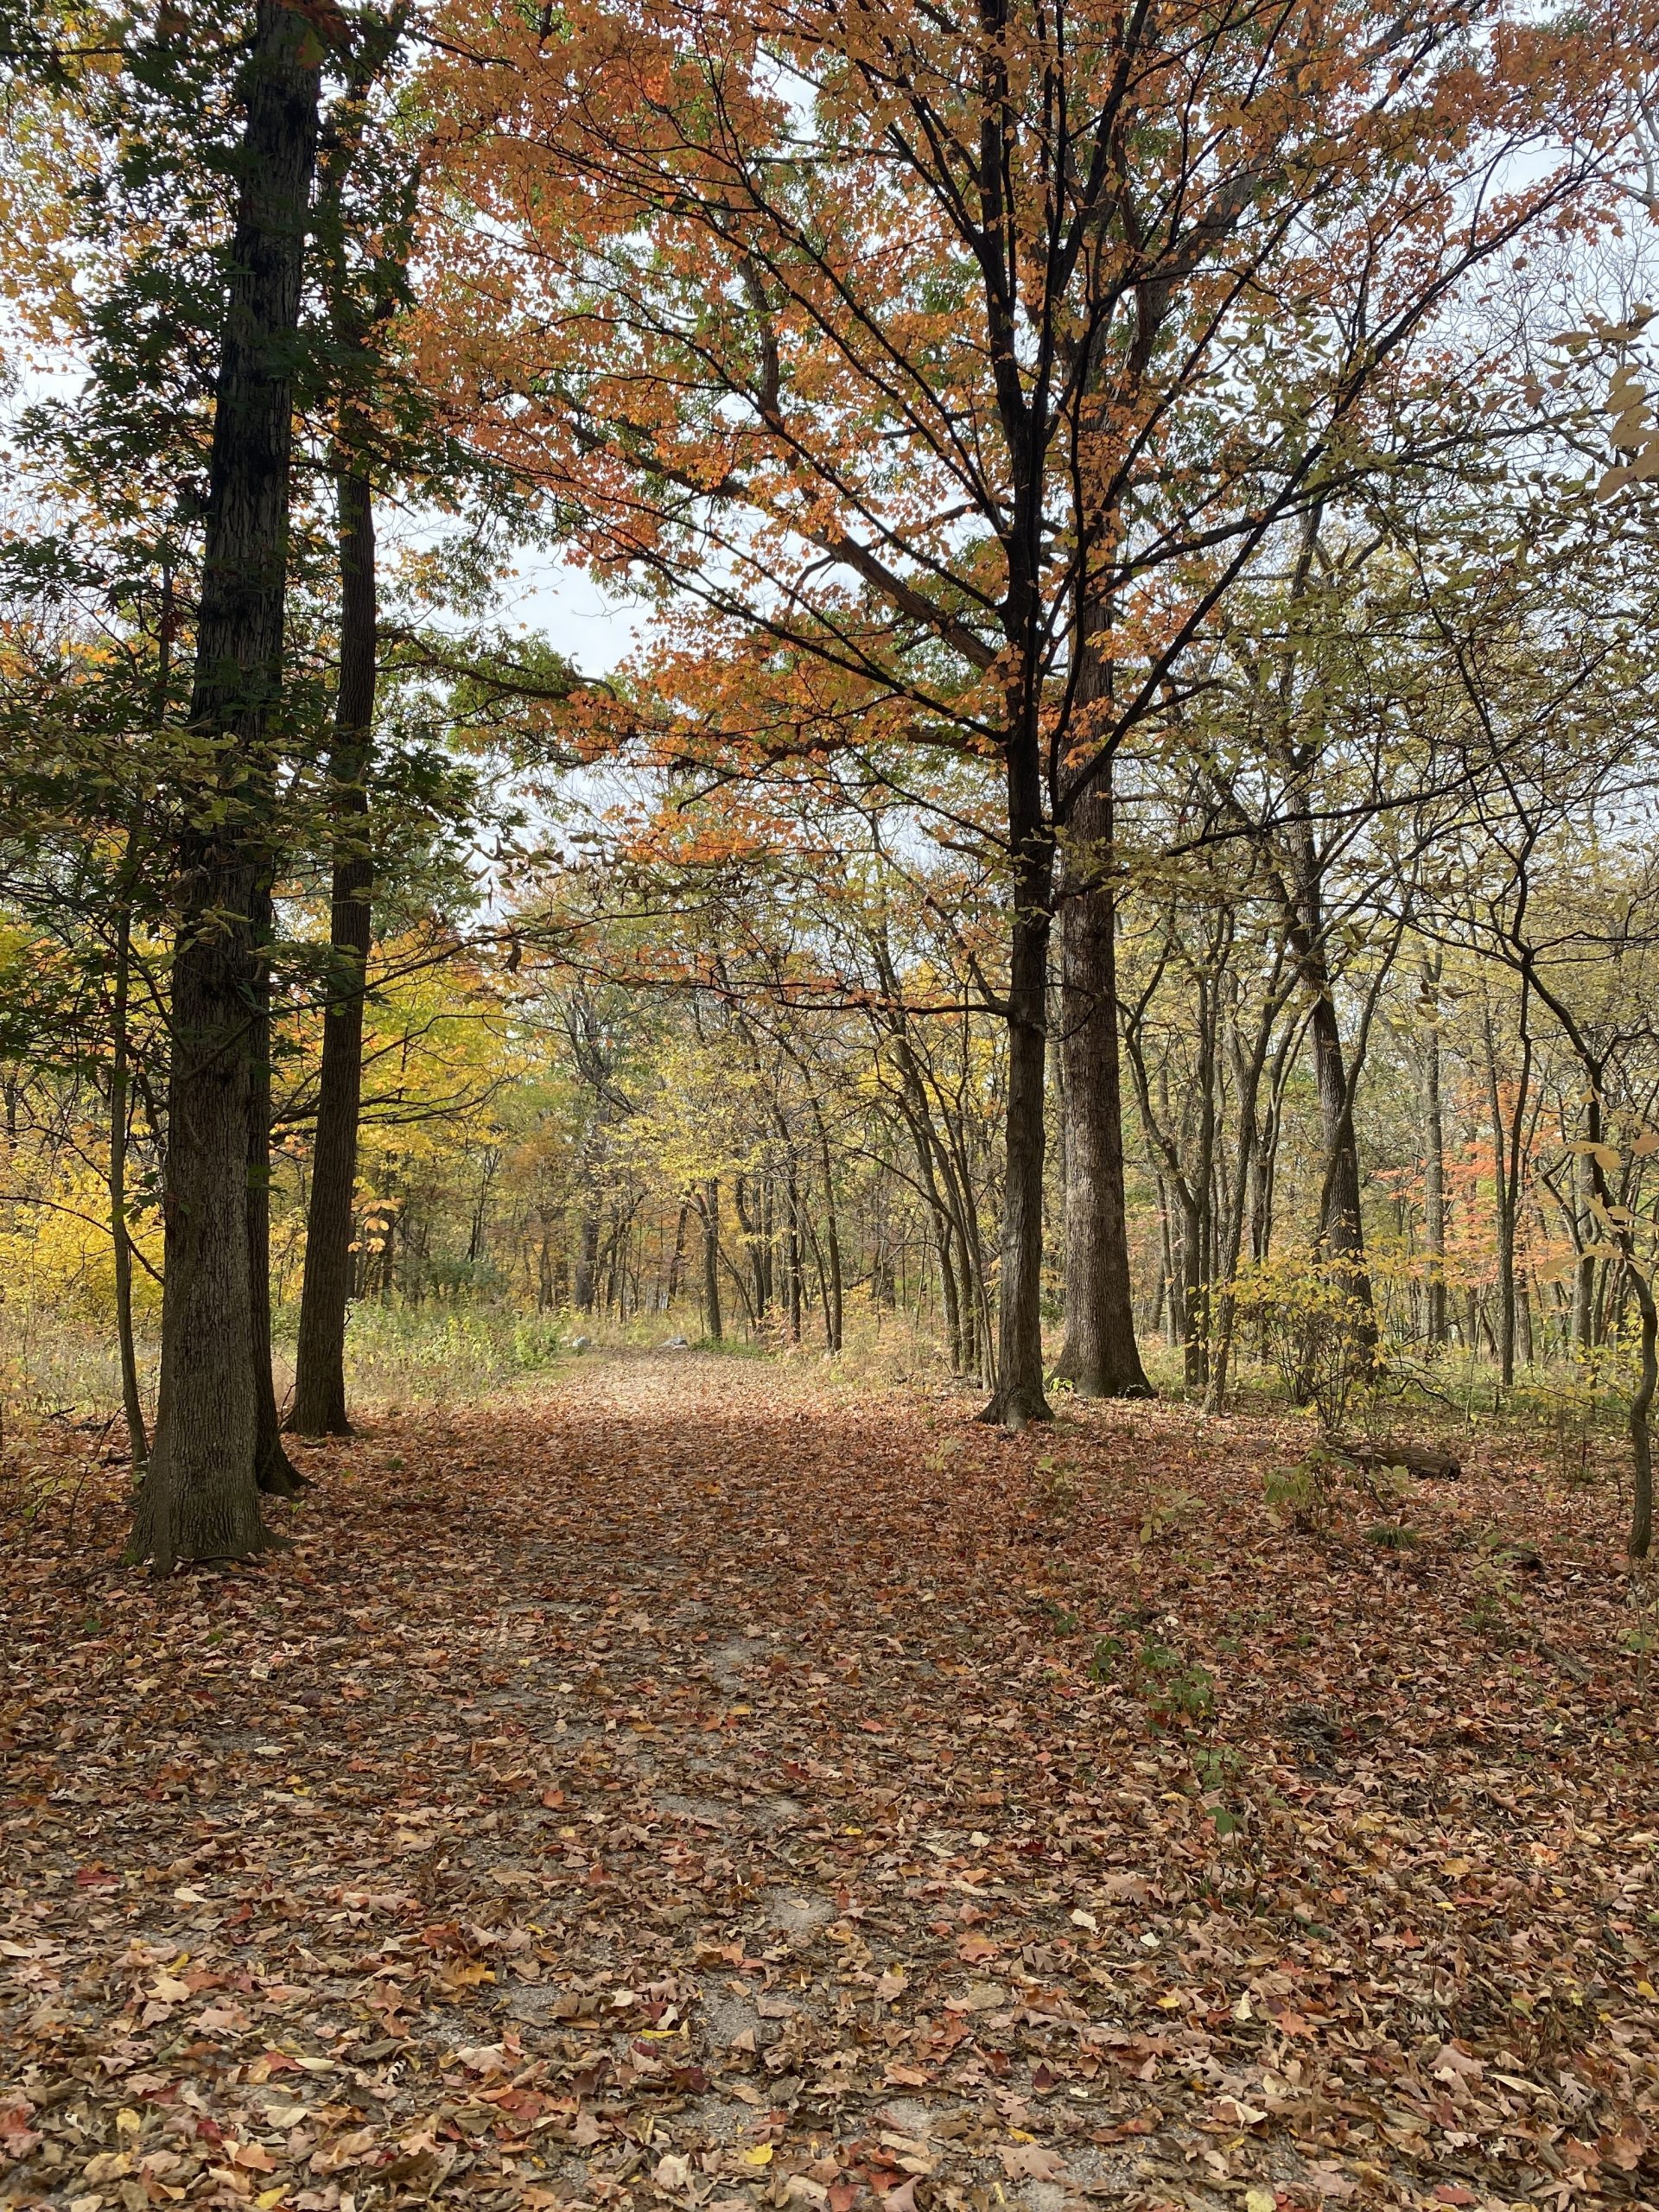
{"x": 363, "y": 235}
{"x": 973, "y": 341}
{"x": 201, "y": 1493}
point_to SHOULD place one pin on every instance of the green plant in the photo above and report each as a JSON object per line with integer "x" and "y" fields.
{"x": 1059, "y": 1486}
{"x": 1218, "y": 1770}
{"x": 1306, "y": 1494}
{"x": 1175, "y": 1689}
{"x": 1166, "y": 1514}
{"x": 1317, "y": 1325}
{"x": 1495, "y": 1596}
{"x": 1391, "y": 1536}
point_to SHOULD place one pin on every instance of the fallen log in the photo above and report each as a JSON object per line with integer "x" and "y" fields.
{"x": 1425, "y": 1460}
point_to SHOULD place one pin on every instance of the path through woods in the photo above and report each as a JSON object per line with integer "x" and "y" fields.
{"x": 692, "y": 1785}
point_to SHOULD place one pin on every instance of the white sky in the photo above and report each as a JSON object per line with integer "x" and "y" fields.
{"x": 591, "y": 629}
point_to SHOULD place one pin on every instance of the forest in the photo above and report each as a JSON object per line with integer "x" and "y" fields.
{"x": 829, "y": 1188}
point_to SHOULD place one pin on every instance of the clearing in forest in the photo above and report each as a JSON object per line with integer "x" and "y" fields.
{"x": 702, "y": 1786}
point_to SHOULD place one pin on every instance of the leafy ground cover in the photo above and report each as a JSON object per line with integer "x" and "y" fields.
{"x": 697, "y": 1787}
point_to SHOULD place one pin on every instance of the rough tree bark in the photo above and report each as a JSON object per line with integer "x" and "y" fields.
{"x": 201, "y": 1495}
{"x": 1100, "y": 1358}
{"x": 1019, "y": 1397}
{"x": 320, "y": 1383}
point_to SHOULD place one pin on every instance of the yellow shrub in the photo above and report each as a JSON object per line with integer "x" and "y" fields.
{"x": 57, "y": 1253}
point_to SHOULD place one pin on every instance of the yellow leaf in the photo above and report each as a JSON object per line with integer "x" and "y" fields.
{"x": 127, "y": 2121}
{"x": 1606, "y": 1156}
{"x": 1259, "y": 2200}
{"x": 758, "y": 2154}
{"x": 267, "y": 2197}
{"x": 1646, "y": 1989}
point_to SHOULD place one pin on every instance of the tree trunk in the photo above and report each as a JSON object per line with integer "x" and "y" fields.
{"x": 1340, "y": 1223}
{"x": 587, "y": 1262}
{"x": 1249, "y": 1067}
{"x": 319, "y": 1381}
{"x": 274, "y": 1471}
{"x": 711, "y": 1259}
{"x": 832, "y": 1307}
{"x": 1019, "y": 1396}
{"x": 1100, "y": 1356}
{"x": 1433, "y": 1164}
{"x": 793, "y": 1255}
{"x": 1584, "y": 1275}
{"x": 1504, "y": 1195}
{"x": 201, "y": 1495}
{"x": 677, "y": 1261}
{"x": 131, "y": 1400}
{"x": 1640, "y": 1541}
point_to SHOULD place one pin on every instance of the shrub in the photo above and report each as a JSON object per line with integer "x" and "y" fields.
{"x": 1316, "y": 1328}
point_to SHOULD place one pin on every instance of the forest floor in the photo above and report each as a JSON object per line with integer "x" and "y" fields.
{"x": 699, "y": 1786}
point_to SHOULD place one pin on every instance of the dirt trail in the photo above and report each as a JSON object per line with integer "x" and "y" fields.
{"x": 699, "y": 1785}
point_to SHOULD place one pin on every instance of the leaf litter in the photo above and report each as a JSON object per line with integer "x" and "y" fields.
{"x": 704, "y": 1787}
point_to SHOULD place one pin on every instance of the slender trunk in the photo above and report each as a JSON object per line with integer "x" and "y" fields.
{"x": 120, "y": 1114}
{"x": 711, "y": 1259}
{"x": 1100, "y": 1356}
{"x": 1250, "y": 1069}
{"x": 832, "y": 1307}
{"x": 1193, "y": 1348}
{"x": 1640, "y": 1541}
{"x": 1584, "y": 1277}
{"x": 132, "y": 1401}
{"x": 587, "y": 1262}
{"x": 1503, "y": 1198}
{"x": 319, "y": 1381}
{"x": 677, "y": 1261}
{"x": 1340, "y": 1230}
{"x": 200, "y": 1497}
{"x": 1434, "y": 1163}
{"x": 1164, "y": 1318}
{"x": 949, "y": 1297}
{"x": 274, "y": 1471}
{"x": 1201, "y": 1237}
{"x": 1019, "y": 1396}
{"x": 793, "y": 1255}
{"x": 1340, "y": 1224}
